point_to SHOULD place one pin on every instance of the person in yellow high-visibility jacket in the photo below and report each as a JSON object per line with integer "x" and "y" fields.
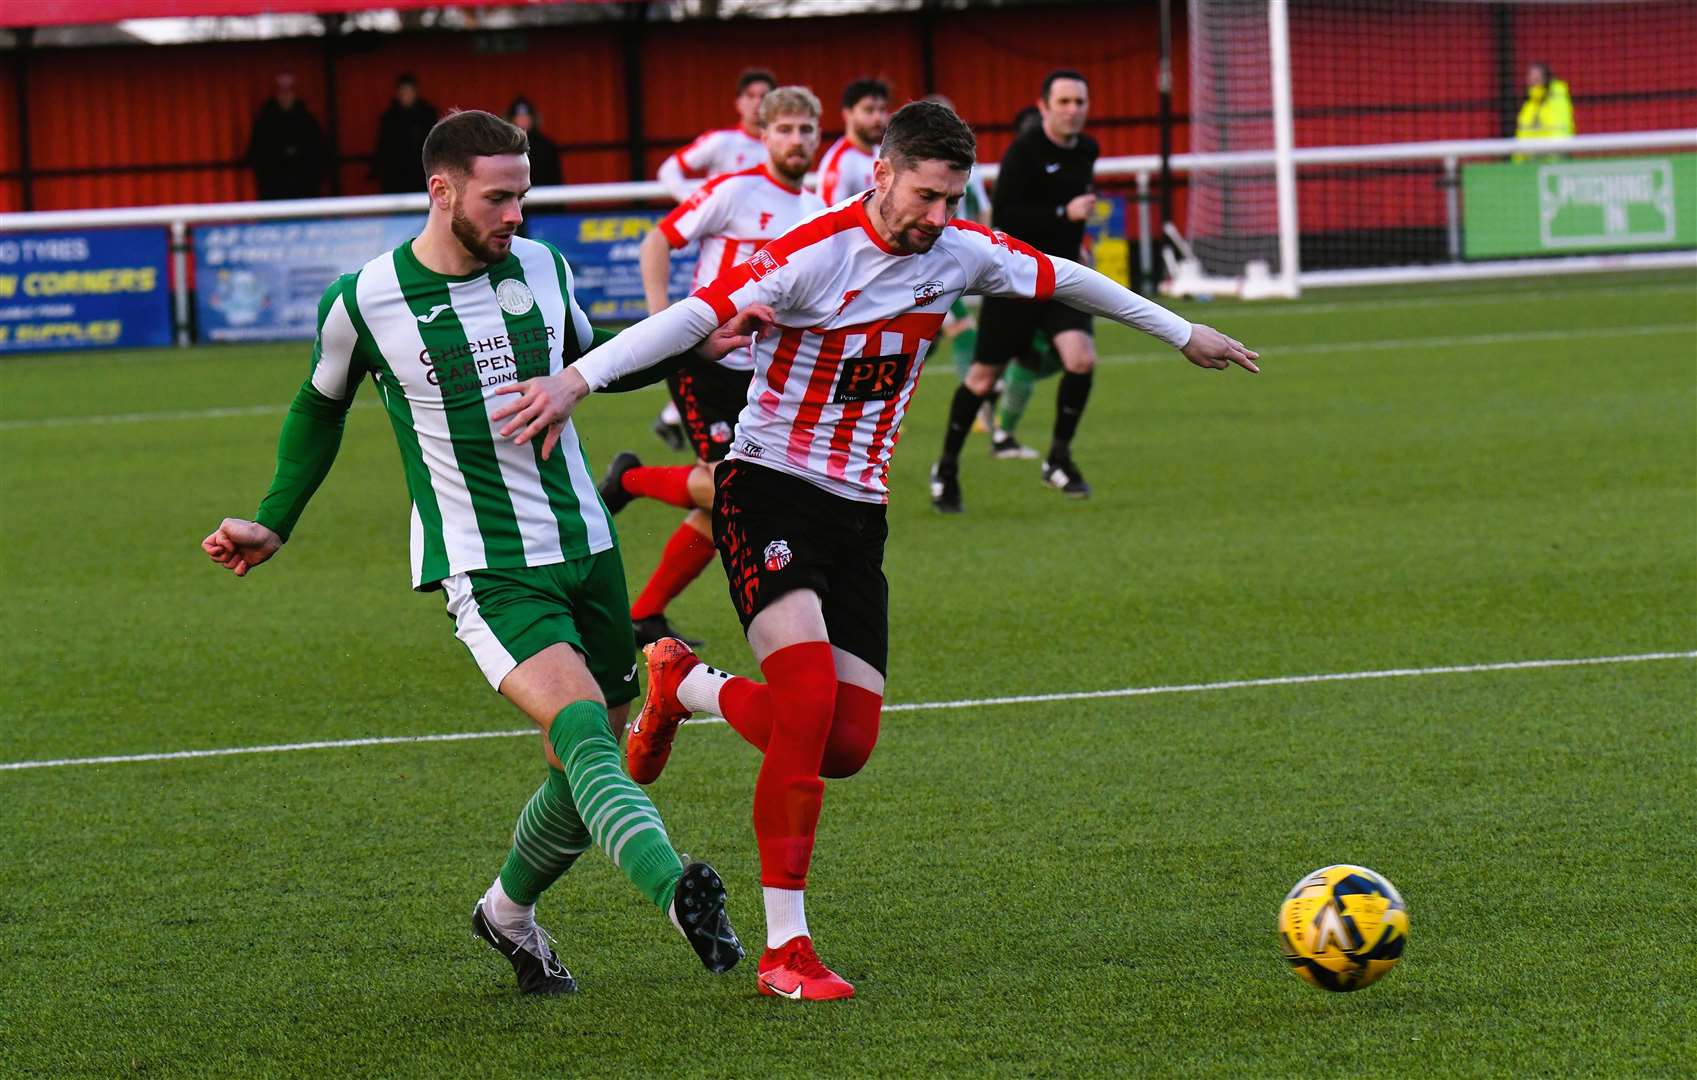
{"x": 1547, "y": 112}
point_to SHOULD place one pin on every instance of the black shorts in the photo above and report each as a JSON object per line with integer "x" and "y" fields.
{"x": 709, "y": 397}
{"x": 777, "y": 533}
{"x": 1005, "y": 327}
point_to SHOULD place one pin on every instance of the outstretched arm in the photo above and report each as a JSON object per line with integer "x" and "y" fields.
{"x": 1087, "y": 290}
{"x": 312, "y": 433}
{"x": 544, "y": 404}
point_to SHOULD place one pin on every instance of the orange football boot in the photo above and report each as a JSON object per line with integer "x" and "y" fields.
{"x": 649, "y": 742}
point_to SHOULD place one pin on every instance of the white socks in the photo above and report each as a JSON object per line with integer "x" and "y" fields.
{"x": 699, "y": 689}
{"x": 504, "y": 911}
{"x": 785, "y": 918}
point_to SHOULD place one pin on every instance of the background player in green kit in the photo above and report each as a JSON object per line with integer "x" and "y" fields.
{"x": 522, "y": 547}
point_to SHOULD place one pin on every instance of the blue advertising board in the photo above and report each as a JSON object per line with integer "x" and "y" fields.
{"x": 82, "y": 289}
{"x": 261, "y": 281}
{"x": 603, "y": 252}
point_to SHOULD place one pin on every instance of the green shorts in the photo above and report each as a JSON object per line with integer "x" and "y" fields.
{"x": 505, "y": 617}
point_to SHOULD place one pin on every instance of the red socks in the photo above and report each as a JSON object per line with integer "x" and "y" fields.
{"x": 667, "y": 483}
{"x": 686, "y": 554}
{"x": 854, "y": 723}
{"x": 788, "y": 794}
{"x": 828, "y": 730}
{"x": 854, "y": 731}
{"x": 746, "y": 705}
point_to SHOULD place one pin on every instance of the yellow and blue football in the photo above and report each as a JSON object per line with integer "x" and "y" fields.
{"x": 1343, "y": 927}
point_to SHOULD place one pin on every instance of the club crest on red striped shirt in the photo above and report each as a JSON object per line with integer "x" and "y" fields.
{"x": 761, "y": 264}
{"x": 926, "y": 291}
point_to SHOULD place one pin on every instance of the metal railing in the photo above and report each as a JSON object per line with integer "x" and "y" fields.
{"x": 1140, "y": 169}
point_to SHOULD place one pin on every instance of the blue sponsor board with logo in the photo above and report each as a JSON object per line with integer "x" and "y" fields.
{"x": 603, "y": 252}
{"x": 84, "y": 289}
{"x": 261, "y": 281}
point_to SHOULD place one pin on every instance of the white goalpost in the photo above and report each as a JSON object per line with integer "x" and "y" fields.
{"x": 1353, "y": 142}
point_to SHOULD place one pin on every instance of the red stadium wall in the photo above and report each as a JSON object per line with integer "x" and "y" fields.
{"x": 142, "y": 125}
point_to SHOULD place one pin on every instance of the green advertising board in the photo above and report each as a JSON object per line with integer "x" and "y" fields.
{"x": 1556, "y": 207}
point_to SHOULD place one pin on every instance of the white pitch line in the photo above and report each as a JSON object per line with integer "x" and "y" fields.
{"x": 971, "y": 703}
{"x": 219, "y": 413}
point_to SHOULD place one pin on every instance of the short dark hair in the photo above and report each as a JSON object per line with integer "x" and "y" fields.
{"x": 754, "y": 75}
{"x": 928, "y": 131}
{"x": 465, "y": 134}
{"x": 855, "y": 91}
{"x": 406, "y": 78}
{"x": 1061, "y": 73}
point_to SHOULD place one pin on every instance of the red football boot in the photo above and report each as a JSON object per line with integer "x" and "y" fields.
{"x": 793, "y": 970}
{"x": 649, "y": 742}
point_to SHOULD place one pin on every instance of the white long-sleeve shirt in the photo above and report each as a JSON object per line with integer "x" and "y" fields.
{"x": 855, "y": 320}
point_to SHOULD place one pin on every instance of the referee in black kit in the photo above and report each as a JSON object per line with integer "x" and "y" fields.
{"x": 1044, "y": 195}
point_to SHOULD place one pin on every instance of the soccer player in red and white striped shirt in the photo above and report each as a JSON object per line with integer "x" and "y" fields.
{"x": 846, "y": 168}
{"x": 733, "y": 216}
{"x": 725, "y": 149}
{"x": 856, "y": 294}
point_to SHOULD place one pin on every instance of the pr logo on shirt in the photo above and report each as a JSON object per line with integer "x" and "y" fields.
{"x": 872, "y": 378}
{"x": 926, "y": 291}
{"x": 777, "y": 555}
{"x": 762, "y": 263}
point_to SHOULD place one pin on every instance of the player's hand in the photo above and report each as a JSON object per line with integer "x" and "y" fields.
{"x": 1209, "y": 348}
{"x": 1080, "y": 207}
{"x": 240, "y": 545}
{"x": 543, "y": 406}
{"x": 739, "y": 333}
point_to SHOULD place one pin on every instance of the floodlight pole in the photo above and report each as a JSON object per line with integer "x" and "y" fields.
{"x": 332, "y": 105}
{"x": 20, "y": 95}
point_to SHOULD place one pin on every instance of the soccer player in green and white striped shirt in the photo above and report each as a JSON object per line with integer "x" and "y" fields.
{"x": 521, "y": 544}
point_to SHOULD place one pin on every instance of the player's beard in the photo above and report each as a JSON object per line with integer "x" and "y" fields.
{"x": 792, "y": 168}
{"x": 870, "y": 134}
{"x": 480, "y": 245}
{"x": 912, "y": 239}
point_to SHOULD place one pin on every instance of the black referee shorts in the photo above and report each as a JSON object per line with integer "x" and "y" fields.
{"x": 777, "y": 533}
{"x": 1005, "y": 328}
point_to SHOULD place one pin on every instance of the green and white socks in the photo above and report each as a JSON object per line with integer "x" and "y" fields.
{"x": 591, "y": 801}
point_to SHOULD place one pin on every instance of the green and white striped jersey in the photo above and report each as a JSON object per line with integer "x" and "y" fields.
{"x": 438, "y": 347}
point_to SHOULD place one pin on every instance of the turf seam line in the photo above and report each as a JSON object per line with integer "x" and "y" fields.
{"x": 970, "y": 703}
{"x": 1276, "y": 351}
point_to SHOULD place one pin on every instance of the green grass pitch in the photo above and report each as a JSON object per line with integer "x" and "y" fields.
{"x": 1421, "y": 477}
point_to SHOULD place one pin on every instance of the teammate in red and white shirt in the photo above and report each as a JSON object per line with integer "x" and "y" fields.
{"x": 856, "y": 295}
{"x": 846, "y": 168}
{"x": 733, "y": 216}
{"x": 726, "y": 149}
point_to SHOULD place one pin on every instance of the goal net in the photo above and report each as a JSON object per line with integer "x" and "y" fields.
{"x": 1376, "y": 90}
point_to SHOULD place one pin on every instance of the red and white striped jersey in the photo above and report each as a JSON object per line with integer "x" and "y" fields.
{"x": 712, "y": 152}
{"x": 845, "y": 170}
{"x": 854, "y": 321}
{"x": 734, "y": 215}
